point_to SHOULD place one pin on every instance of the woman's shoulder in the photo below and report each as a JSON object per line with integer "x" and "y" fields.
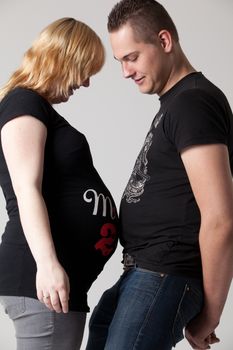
{"x": 22, "y": 94}
{"x": 22, "y": 101}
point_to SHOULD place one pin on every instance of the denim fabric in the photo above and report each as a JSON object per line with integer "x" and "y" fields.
{"x": 38, "y": 328}
{"x": 144, "y": 310}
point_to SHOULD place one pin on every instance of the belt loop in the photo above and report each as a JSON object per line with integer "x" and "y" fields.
{"x": 128, "y": 261}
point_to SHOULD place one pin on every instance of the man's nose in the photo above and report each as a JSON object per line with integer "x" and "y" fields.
{"x": 127, "y": 70}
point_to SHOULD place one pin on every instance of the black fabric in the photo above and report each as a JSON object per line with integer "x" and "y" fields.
{"x": 81, "y": 210}
{"x": 159, "y": 216}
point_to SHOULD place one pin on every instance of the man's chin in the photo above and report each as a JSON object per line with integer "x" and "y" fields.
{"x": 145, "y": 90}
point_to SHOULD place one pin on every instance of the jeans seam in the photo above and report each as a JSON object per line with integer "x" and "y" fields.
{"x": 178, "y": 314}
{"x": 149, "y": 311}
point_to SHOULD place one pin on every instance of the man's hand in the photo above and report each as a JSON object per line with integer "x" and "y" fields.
{"x": 200, "y": 334}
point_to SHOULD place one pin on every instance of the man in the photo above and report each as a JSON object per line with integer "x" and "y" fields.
{"x": 176, "y": 211}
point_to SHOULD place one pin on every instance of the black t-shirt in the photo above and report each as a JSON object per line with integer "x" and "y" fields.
{"x": 159, "y": 216}
{"x": 81, "y": 210}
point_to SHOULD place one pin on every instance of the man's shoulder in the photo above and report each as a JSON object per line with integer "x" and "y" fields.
{"x": 202, "y": 90}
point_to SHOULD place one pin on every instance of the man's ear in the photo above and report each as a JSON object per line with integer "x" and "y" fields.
{"x": 165, "y": 40}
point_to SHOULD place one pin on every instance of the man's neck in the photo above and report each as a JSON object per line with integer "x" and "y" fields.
{"x": 179, "y": 69}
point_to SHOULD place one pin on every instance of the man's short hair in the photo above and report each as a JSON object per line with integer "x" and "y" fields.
{"x": 146, "y": 17}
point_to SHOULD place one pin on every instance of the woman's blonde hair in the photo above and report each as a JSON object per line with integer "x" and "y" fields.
{"x": 66, "y": 53}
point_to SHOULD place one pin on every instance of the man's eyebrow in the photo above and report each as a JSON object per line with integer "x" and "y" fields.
{"x": 124, "y": 58}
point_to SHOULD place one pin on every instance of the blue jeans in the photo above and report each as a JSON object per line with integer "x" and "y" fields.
{"x": 144, "y": 310}
{"x": 38, "y": 328}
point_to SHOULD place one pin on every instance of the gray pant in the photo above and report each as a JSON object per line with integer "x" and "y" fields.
{"x": 38, "y": 328}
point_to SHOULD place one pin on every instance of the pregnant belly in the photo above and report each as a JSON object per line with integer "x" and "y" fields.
{"x": 87, "y": 220}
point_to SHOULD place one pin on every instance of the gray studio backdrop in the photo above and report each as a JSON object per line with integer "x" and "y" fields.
{"x": 112, "y": 113}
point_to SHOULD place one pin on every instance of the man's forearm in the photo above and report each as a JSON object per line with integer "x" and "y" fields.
{"x": 216, "y": 245}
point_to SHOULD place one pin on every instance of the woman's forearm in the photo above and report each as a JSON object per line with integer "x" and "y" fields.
{"x": 35, "y": 223}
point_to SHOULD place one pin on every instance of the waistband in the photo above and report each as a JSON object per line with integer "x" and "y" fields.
{"x": 130, "y": 262}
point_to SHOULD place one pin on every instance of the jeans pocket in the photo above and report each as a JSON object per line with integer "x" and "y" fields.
{"x": 189, "y": 306}
{"x": 14, "y": 306}
{"x": 158, "y": 274}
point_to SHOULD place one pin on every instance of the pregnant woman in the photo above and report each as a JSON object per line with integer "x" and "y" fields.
{"x": 62, "y": 225}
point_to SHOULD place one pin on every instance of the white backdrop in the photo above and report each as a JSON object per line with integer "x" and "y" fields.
{"x": 112, "y": 113}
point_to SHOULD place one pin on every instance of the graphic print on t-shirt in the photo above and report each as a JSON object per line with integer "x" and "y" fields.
{"x": 107, "y": 243}
{"x": 108, "y": 231}
{"x": 105, "y": 200}
{"x": 137, "y": 181}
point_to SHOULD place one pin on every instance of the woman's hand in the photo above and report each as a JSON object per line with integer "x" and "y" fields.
{"x": 53, "y": 286}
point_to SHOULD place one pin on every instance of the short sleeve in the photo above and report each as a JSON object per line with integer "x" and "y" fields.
{"x": 196, "y": 118}
{"x": 21, "y": 102}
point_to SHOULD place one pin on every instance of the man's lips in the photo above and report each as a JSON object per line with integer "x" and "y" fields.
{"x": 138, "y": 81}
